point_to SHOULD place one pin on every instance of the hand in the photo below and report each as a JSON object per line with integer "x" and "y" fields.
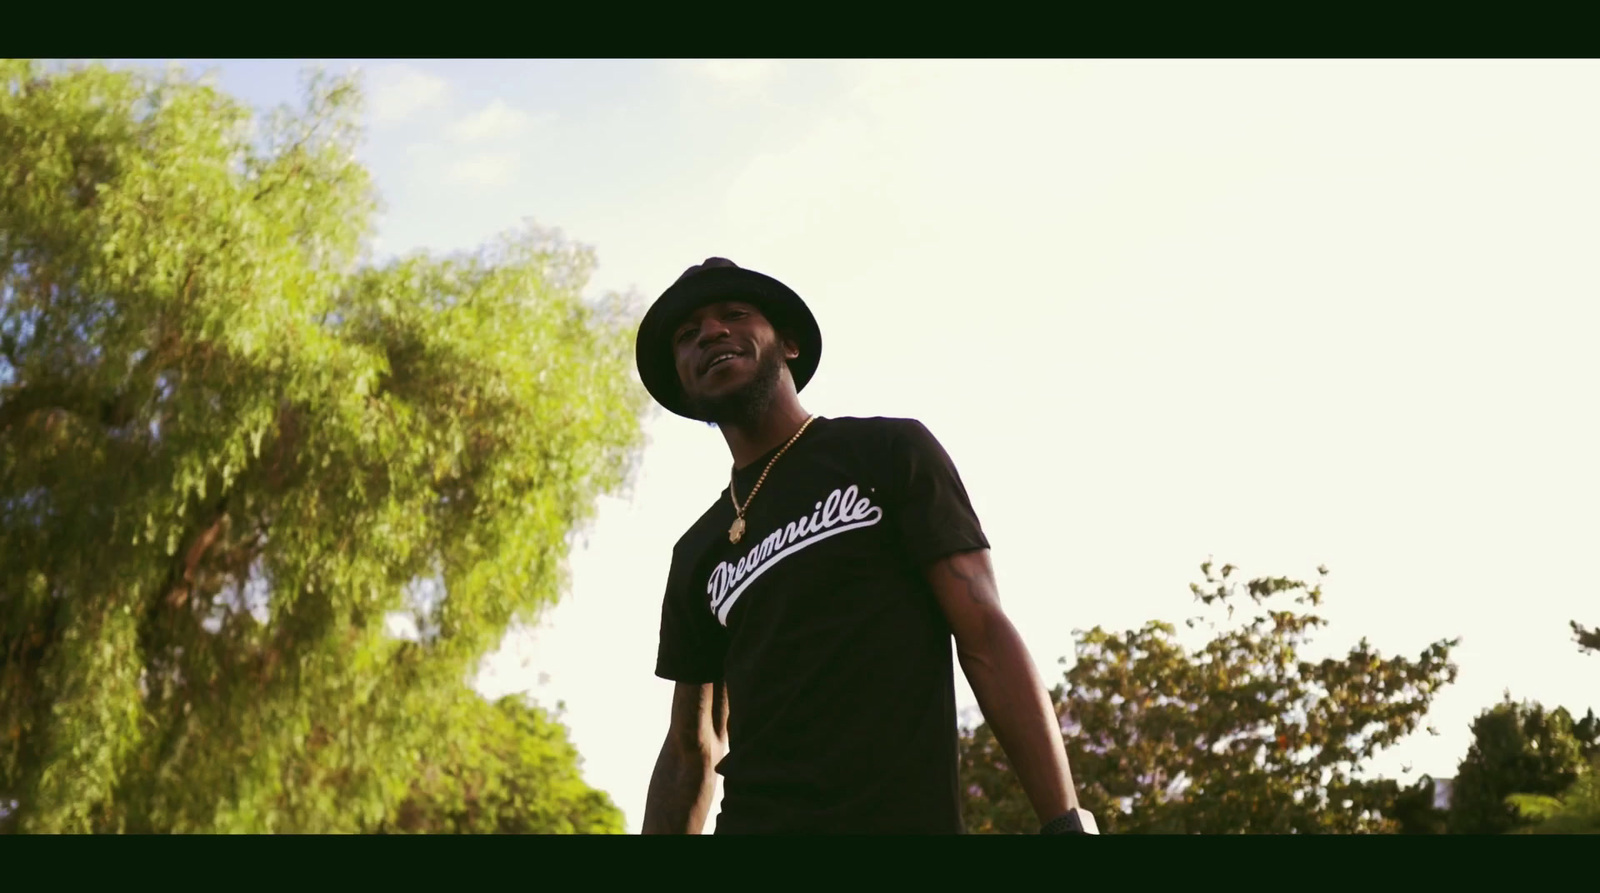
{"x": 1073, "y": 821}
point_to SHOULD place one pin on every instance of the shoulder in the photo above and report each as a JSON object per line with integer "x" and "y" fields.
{"x": 700, "y": 533}
{"x": 886, "y": 428}
{"x": 885, "y": 439}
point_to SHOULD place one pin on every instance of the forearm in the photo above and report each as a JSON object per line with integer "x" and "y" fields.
{"x": 681, "y": 792}
{"x": 1018, "y": 709}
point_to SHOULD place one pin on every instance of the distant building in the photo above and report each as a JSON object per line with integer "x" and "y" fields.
{"x": 1441, "y": 791}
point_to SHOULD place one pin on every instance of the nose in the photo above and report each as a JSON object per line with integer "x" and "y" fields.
{"x": 711, "y": 331}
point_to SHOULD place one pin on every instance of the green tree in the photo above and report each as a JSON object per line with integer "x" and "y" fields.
{"x": 503, "y": 768}
{"x": 1577, "y": 810}
{"x": 1587, "y": 730}
{"x": 234, "y": 457}
{"x": 1239, "y": 736}
{"x": 1517, "y": 748}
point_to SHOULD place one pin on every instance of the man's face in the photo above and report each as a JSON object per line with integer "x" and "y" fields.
{"x": 730, "y": 361}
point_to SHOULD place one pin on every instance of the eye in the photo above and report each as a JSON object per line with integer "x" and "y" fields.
{"x": 684, "y": 335}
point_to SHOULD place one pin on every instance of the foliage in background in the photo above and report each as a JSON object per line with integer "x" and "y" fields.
{"x": 502, "y": 768}
{"x": 1575, "y": 810}
{"x": 264, "y": 507}
{"x": 1588, "y": 639}
{"x": 1517, "y": 748}
{"x": 1242, "y": 735}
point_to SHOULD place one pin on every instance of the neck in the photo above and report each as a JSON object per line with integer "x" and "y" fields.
{"x": 751, "y": 440}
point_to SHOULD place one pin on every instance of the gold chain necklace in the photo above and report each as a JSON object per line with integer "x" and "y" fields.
{"x": 737, "y": 530}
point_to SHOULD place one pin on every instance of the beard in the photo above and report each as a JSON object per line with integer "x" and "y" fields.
{"x": 746, "y": 405}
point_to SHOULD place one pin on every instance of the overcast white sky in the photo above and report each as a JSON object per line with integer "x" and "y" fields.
{"x": 1280, "y": 313}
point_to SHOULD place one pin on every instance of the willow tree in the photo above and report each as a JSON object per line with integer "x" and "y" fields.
{"x": 264, "y": 506}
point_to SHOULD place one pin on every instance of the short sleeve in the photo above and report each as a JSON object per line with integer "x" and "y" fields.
{"x": 692, "y": 643}
{"x": 934, "y": 515}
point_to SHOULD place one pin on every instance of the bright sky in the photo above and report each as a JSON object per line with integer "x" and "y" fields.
{"x": 1280, "y": 313}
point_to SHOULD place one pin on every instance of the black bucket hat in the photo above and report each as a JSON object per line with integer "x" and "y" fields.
{"x": 720, "y": 279}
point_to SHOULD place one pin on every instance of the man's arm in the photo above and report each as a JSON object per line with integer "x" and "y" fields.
{"x": 1010, "y": 693}
{"x": 684, "y": 782}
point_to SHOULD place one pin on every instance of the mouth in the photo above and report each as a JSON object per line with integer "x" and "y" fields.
{"x": 719, "y": 358}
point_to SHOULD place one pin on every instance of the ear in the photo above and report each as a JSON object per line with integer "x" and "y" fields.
{"x": 791, "y": 349}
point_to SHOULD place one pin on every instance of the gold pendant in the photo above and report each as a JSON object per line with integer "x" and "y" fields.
{"x": 736, "y": 531}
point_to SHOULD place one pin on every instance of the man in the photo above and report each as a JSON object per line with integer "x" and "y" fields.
{"x": 808, "y": 613}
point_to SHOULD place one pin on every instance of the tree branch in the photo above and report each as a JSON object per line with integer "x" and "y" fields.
{"x": 1588, "y": 639}
{"x": 21, "y": 405}
{"x": 191, "y": 560}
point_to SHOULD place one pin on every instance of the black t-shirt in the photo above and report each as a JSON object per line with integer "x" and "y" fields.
{"x": 836, "y": 655}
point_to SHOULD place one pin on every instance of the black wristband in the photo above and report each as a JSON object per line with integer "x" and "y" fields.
{"x": 1073, "y": 821}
